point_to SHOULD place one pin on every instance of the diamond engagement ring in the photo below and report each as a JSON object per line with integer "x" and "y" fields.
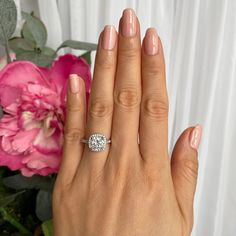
{"x": 96, "y": 142}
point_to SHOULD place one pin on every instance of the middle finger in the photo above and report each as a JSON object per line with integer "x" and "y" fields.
{"x": 127, "y": 91}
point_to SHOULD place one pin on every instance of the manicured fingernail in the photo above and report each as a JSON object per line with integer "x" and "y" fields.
{"x": 74, "y": 83}
{"x": 128, "y": 24}
{"x": 195, "y": 137}
{"x": 151, "y": 42}
{"x": 109, "y": 37}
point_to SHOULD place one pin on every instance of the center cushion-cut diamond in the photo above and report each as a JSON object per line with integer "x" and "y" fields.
{"x": 97, "y": 142}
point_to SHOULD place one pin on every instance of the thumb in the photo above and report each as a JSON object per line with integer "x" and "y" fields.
{"x": 184, "y": 169}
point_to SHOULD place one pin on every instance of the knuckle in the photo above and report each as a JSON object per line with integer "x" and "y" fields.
{"x": 190, "y": 170}
{"x": 153, "y": 67}
{"x": 129, "y": 53}
{"x": 72, "y": 135}
{"x": 72, "y": 108}
{"x": 100, "y": 108}
{"x": 152, "y": 70}
{"x": 156, "y": 107}
{"x": 127, "y": 98}
{"x": 105, "y": 62}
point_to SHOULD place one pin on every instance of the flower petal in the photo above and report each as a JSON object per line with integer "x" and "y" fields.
{"x": 46, "y": 144}
{"x": 19, "y": 73}
{"x": 9, "y": 95}
{"x": 12, "y": 162}
{"x": 44, "y": 172}
{"x": 6, "y": 144}
{"x": 27, "y": 122}
{"x": 66, "y": 65}
{"x": 38, "y": 163}
{"x": 47, "y": 171}
{"x": 12, "y": 109}
{"x": 23, "y": 140}
{"x": 9, "y": 123}
{"x": 37, "y": 160}
{"x": 27, "y": 172}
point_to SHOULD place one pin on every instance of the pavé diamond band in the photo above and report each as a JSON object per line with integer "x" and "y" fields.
{"x": 96, "y": 142}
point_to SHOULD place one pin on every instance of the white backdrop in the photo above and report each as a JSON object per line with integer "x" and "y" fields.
{"x": 199, "y": 38}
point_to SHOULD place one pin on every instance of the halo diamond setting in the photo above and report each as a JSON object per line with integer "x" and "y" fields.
{"x": 97, "y": 142}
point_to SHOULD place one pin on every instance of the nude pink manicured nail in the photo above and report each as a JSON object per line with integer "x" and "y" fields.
{"x": 151, "y": 42}
{"x": 195, "y": 137}
{"x": 74, "y": 83}
{"x": 129, "y": 23}
{"x": 109, "y": 37}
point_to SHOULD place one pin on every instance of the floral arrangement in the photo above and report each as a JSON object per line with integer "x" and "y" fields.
{"x": 33, "y": 86}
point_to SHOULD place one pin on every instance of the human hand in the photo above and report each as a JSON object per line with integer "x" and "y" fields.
{"x": 130, "y": 188}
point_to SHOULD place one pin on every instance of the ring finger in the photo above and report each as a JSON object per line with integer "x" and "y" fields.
{"x": 101, "y": 98}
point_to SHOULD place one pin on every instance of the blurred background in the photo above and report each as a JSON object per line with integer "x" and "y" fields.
{"x": 199, "y": 38}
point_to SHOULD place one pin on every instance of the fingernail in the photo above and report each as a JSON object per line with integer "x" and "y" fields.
{"x": 151, "y": 42}
{"x": 195, "y": 137}
{"x": 109, "y": 37}
{"x": 128, "y": 24}
{"x": 74, "y": 83}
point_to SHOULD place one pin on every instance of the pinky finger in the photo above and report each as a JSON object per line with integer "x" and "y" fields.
{"x": 74, "y": 129}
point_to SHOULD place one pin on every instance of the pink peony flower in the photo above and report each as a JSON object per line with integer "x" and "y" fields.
{"x": 33, "y": 99}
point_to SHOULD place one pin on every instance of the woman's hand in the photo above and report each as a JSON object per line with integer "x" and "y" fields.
{"x": 131, "y": 188}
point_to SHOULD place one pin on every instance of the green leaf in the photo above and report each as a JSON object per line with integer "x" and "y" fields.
{"x": 37, "y": 29}
{"x": 25, "y": 33}
{"x": 7, "y": 215}
{"x": 19, "y": 45}
{"x": 19, "y": 182}
{"x": 4, "y": 201}
{"x": 48, "y": 51}
{"x": 35, "y": 57}
{"x": 87, "y": 57}
{"x": 78, "y": 45}
{"x": 44, "y": 205}
{"x": 8, "y": 19}
{"x": 47, "y": 228}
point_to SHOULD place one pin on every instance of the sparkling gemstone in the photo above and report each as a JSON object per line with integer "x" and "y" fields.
{"x": 97, "y": 142}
